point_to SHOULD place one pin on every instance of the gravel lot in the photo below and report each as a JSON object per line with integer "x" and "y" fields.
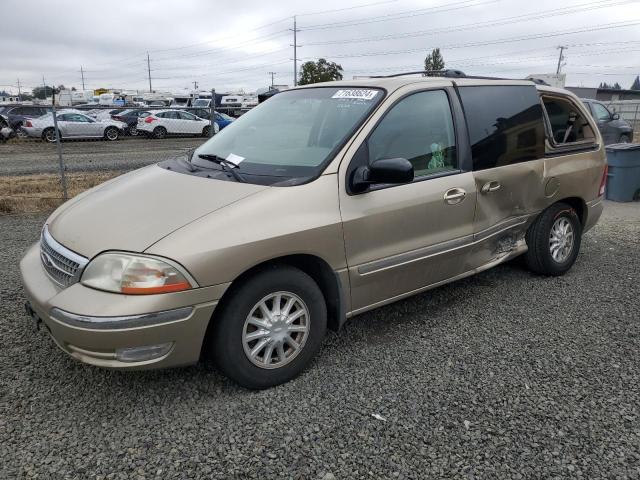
{"x": 503, "y": 375}
{"x": 34, "y": 156}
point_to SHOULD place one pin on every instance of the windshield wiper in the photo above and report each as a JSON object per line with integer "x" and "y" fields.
{"x": 227, "y": 165}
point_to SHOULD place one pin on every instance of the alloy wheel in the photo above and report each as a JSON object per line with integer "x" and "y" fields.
{"x": 276, "y": 330}
{"x": 561, "y": 240}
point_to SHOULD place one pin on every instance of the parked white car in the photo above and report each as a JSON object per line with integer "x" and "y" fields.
{"x": 160, "y": 123}
{"x": 73, "y": 124}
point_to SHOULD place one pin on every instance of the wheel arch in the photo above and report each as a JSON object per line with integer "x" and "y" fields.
{"x": 318, "y": 269}
{"x": 579, "y": 205}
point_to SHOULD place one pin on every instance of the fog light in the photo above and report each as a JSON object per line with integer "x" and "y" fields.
{"x": 140, "y": 354}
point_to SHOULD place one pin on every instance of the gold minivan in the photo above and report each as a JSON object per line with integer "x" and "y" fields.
{"x": 321, "y": 203}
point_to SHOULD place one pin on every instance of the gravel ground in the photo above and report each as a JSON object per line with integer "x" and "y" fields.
{"x": 502, "y": 375}
{"x": 34, "y": 156}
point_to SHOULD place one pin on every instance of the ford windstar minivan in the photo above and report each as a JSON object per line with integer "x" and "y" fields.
{"x": 321, "y": 203}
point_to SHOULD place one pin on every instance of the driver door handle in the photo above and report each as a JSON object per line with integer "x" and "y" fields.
{"x": 491, "y": 187}
{"x": 454, "y": 196}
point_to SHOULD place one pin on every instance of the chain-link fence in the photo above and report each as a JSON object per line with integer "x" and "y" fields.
{"x": 46, "y": 158}
{"x": 629, "y": 110}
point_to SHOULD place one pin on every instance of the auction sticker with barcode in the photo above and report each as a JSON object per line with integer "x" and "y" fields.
{"x": 362, "y": 94}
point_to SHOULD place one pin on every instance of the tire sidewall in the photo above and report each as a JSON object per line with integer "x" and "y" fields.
{"x": 110, "y": 129}
{"x": 44, "y": 135}
{"x": 550, "y": 217}
{"x": 227, "y": 347}
{"x": 159, "y": 132}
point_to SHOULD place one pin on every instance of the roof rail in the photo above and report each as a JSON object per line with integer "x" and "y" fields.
{"x": 428, "y": 73}
{"x": 456, "y": 74}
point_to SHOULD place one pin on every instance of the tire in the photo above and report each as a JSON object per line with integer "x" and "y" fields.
{"x": 159, "y": 132}
{"x": 205, "y": 131}
{"x": 20, "y": 133}
{"x": 624, "y": 138}
{"x": 133, "y": 130}
{"x": 111, "y": 133}
{"x": 231, "y": 351}
{"x": 548, "y": 254}
{"x": 49, "y": 135}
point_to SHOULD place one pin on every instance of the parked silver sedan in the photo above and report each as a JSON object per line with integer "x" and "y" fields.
{"x": 73, "y": 125}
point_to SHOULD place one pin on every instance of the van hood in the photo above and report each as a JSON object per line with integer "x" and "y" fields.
{"x": 136, "y": 210}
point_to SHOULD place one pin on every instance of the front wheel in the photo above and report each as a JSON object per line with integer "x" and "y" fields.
{"x": 133, "y": 130}
{"x": 625, "y": 138}
{"x": 554, "y": 240}
{"x": 270, "y": 328}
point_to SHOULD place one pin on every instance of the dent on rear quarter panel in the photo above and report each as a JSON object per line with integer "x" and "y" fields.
{"x": 276, "y": 222}
{"x": 578, "y": 174}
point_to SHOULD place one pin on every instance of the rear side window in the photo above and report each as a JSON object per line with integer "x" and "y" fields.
{"x": 505, "y": 124}
{"x": 566, "y": 121}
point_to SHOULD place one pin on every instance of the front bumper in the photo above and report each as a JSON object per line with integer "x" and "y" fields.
{"x": 95, "y": 327}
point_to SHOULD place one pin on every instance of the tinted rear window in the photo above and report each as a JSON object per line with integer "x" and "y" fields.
{"x": 505, "y": 124}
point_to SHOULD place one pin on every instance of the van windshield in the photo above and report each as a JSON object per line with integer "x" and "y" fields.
{"x": 201, "y": 102}
{"x": 291, "y": 136}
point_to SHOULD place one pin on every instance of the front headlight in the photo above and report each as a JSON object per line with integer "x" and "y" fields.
{"x": 135, "y": 274}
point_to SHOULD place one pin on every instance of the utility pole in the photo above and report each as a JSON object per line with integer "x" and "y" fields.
{"x": 82, "y": 75}
{"x": 295, "y": 52}
{"x": 19, "y": 92}
{"x": 149, "y": 72}
{"x": 560, "y": 58}
{"x": 195, "y": 85}
{"x": 272, "y": 74}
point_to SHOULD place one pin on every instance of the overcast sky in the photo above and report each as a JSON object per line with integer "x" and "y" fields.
{"x": 231, "y": 46}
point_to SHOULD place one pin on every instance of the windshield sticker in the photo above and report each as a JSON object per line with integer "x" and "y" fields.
{"x": 360, "y": 94}
{"x": 232, "y": 157}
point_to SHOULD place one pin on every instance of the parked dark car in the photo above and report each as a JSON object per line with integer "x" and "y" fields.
{"x": 130, "y": 117}
{"x": 612, "y": 128}
{"x": 5, "y": 132}
{"x": 16, "y": 116}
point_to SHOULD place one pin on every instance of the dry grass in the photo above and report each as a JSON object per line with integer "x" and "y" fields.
{"x": 40, "y": 193}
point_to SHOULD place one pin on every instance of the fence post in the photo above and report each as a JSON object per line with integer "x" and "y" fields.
{"x": 213, "y": 113}
{"x": 635, "y": 120}
{"x": 63, "y": 178}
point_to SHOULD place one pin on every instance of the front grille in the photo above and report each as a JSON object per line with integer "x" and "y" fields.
{"x": 62, "y": 265}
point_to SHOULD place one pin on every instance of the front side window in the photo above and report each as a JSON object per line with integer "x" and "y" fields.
{"x": 505, "y": 124}
{"x": 566, "y": 121}
{"x": 600, "y": 112}
{"x": 292, "y": 136}
{"x": 420, "y": 129}
{"x": 186, "y": 116}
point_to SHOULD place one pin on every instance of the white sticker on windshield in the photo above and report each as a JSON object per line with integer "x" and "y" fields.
{"x": 232, "y": 157}
{"x": 361, "y": 94}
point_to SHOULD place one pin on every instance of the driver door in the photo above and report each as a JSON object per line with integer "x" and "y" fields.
{"x": 402, "y": 238}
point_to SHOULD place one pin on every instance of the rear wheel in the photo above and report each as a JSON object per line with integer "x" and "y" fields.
{"x": 49, "y": 135}
{"x": 20, "y": 133}
{"x": 554, "y": 240}
{"x": 269, "y": 328}
{"x": 111, "y": 133}
{"x": 159, "y": 132}
{"x": 133, "y": 130}
{"x": 625, "y": 138}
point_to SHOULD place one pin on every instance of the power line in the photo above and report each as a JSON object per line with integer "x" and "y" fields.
{"x": 594, "y": 28}
{"x": 400, "y": 15}
{"x": 469, "y": 26}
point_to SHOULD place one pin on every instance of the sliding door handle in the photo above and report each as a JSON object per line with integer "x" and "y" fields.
{"x": 454, "y": 196}
{"x": 491, "y": 187}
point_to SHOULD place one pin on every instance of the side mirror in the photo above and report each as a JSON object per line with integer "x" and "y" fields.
{"x": 615, "y": 116}
{"x": 385, "y": 170}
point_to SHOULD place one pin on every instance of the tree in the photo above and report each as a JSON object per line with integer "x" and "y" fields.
{"x": 636, "y": 83}
{"x": 616, "y": 86}
{"x": 434, "y": 61}
{"x": 320, "y": 71}
{"x": 42, "y": 92}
